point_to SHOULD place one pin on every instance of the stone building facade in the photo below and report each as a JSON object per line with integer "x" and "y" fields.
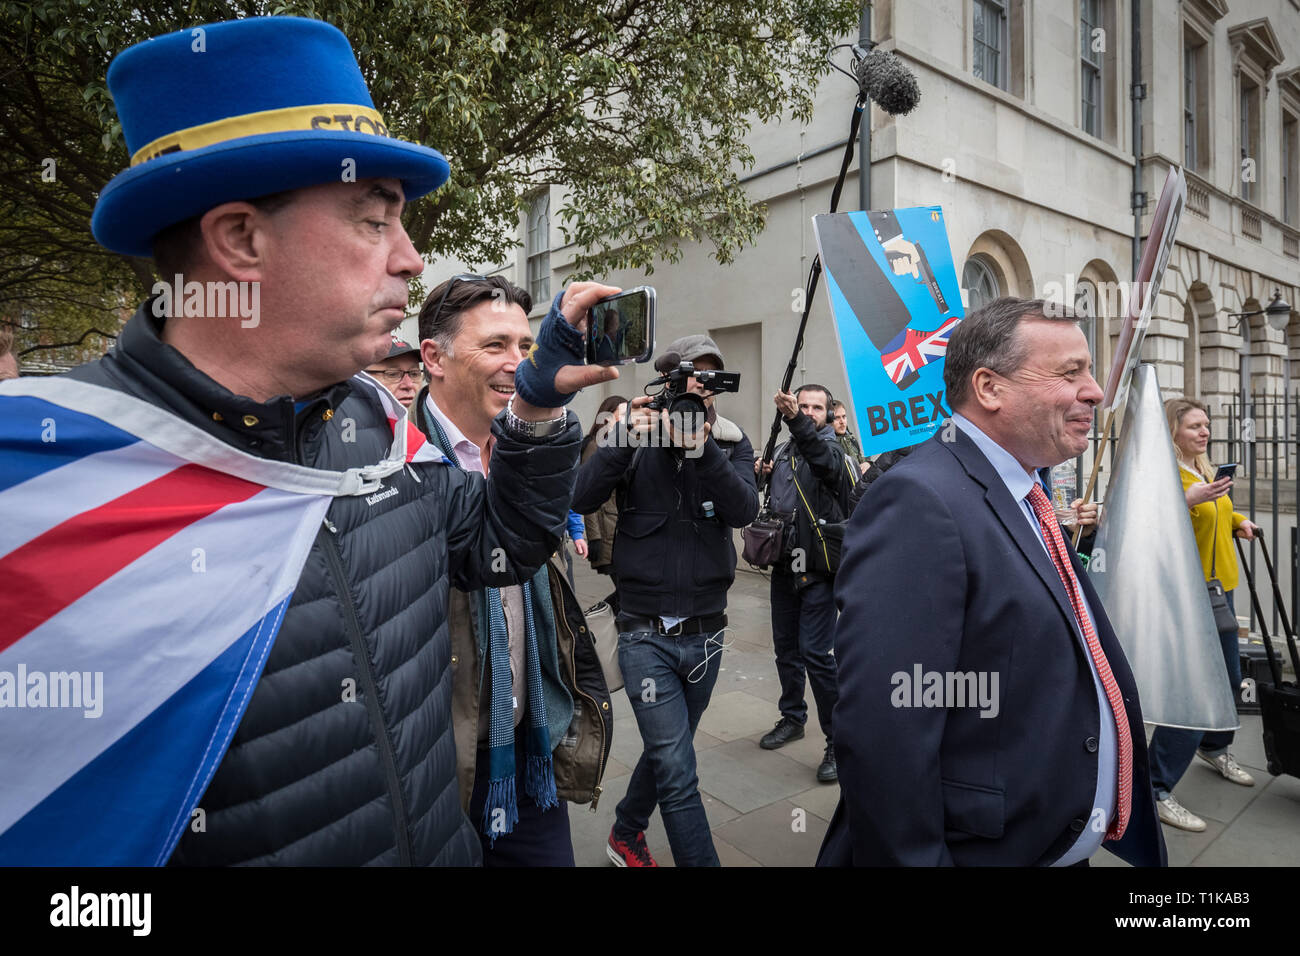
{"x": 1024, "y": 136}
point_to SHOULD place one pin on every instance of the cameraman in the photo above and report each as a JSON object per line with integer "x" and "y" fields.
{"x": 811, "y": 481}
{"x": 680, "y": 496}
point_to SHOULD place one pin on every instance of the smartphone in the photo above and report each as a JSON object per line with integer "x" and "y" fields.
{"x": 1225, "y": 471}
{"x": 621, "y": 328}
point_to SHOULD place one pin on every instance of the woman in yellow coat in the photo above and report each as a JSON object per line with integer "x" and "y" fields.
{"x": 1213, "y": 524}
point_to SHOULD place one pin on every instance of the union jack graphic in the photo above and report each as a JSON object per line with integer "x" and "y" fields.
{"x": 106, "y": 502}
{"x": 911, "y": 350}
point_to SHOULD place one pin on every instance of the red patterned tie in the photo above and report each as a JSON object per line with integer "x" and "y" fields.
{"x": 1061, "y": 558}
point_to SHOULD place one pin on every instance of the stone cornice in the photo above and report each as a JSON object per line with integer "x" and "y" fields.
{"x": 1288, "y": 84}
{"x": 1256, "y": 42}
{"x": 1205, "y": 13}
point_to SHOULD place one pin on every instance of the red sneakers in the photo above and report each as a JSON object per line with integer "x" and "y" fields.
{"x": 632, "y": 853}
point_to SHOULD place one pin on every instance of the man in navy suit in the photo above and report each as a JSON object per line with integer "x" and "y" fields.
{"x": 986, "y": 714}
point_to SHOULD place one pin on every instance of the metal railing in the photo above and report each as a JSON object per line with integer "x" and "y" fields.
{"x": 1262, "y": 438}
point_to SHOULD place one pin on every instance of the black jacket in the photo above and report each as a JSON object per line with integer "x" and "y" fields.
{"x": 312, "y": 778}
{"x": 826, "y": 478}
{"x": 882, "y": 464}
{"x": 889, "y": 459}
{"x": 669, "y": 558}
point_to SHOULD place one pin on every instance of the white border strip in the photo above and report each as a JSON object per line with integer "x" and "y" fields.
{"x": 169, "y": 433}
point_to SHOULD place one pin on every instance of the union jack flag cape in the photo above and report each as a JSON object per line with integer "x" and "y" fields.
{"x": 146, "y": 568}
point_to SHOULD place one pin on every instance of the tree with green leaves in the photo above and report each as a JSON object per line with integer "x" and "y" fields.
{"x": 638, "y": 108}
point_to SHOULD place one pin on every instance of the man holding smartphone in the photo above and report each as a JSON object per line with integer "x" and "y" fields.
{"x": 520, "y": 675}
{"x": 679, "y": 498}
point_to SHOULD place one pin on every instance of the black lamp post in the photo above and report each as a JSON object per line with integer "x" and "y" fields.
{"x": 1278, "y": 312}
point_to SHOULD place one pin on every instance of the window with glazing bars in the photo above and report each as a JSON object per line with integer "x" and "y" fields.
{"x": 539, "y": 247}
{"x": 1189, "y": 107}
{"x": 990, "y": 23}
{"x": 1290, "y": 162}
{"x": 1249, "y": 126}
{"x": 1090, "y": 65}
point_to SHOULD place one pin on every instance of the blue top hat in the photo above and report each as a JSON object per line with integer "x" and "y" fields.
{"x": 238, "y": 110}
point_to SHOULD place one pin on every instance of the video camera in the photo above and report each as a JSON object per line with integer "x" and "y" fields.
{"x": 687, "y": 408}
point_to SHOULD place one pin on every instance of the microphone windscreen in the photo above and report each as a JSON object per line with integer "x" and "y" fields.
{"x": 888, "y": 83}
{"x": 668, "y": 361}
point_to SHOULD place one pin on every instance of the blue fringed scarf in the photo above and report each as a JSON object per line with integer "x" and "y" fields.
{"x": 539, "y": 775}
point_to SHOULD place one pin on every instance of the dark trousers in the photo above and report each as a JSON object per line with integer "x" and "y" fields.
{"x": 803, "y": 633}
{"x": 540, "y": 838}
{"x": 1173, "y": 748}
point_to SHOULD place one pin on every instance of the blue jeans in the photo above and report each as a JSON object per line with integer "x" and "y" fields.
{"x": 1172, "y": 749}
{"x": 803, "y": 636}
{"x": 669, "y": 681}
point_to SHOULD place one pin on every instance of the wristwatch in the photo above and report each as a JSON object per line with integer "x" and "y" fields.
{"x": 519, "y": 428}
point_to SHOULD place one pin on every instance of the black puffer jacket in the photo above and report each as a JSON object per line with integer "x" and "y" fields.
{"x": 312, "y": 778}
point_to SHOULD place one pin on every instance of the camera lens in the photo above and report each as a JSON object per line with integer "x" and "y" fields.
{"x": 687, "y": 412}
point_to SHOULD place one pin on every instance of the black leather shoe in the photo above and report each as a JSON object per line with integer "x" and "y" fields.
{"x": 786, "y": 730}
{"x": 827, "y": 772}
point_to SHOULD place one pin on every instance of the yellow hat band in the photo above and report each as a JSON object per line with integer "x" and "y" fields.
{"x": 330, "y": 116}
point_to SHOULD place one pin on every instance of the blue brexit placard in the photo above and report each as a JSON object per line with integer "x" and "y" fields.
{"x": 896, "y": 301}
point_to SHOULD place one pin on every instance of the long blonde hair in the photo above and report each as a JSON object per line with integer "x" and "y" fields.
{"x": 1175, "y": 410}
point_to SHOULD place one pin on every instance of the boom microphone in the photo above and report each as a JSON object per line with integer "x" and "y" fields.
{"x": 668, "y": 362}
{"x": 883, "y": 79}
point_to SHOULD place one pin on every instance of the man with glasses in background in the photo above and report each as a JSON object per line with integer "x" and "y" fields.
{"x": 400, "y": 371}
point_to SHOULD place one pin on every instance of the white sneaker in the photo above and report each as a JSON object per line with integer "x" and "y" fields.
{"x": 1230, "y": 769}
{"x": 1176, "y": 815}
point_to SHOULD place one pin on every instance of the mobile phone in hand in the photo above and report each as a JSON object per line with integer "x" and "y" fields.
{"x": 621, "y": 328}
{"x": 1225, "y": 471}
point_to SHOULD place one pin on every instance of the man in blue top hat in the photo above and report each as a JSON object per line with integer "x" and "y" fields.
{"x": 261, "y": 174}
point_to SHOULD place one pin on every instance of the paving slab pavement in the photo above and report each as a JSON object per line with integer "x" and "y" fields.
{"x": 766, "y": 808}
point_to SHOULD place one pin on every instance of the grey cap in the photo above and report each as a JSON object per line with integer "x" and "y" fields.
{"x": 691, "y": 347}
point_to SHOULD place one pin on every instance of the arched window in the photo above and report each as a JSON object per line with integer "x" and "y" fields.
{"x": 1085, "y": 307}
{"x": 539, "y": 246}
{"x": 980, "y": 283}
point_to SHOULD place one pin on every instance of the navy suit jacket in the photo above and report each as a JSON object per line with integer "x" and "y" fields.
{"x": 942, "y": 569}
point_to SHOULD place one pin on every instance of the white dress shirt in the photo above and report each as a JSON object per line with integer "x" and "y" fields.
{"x": 470, "y": 457}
